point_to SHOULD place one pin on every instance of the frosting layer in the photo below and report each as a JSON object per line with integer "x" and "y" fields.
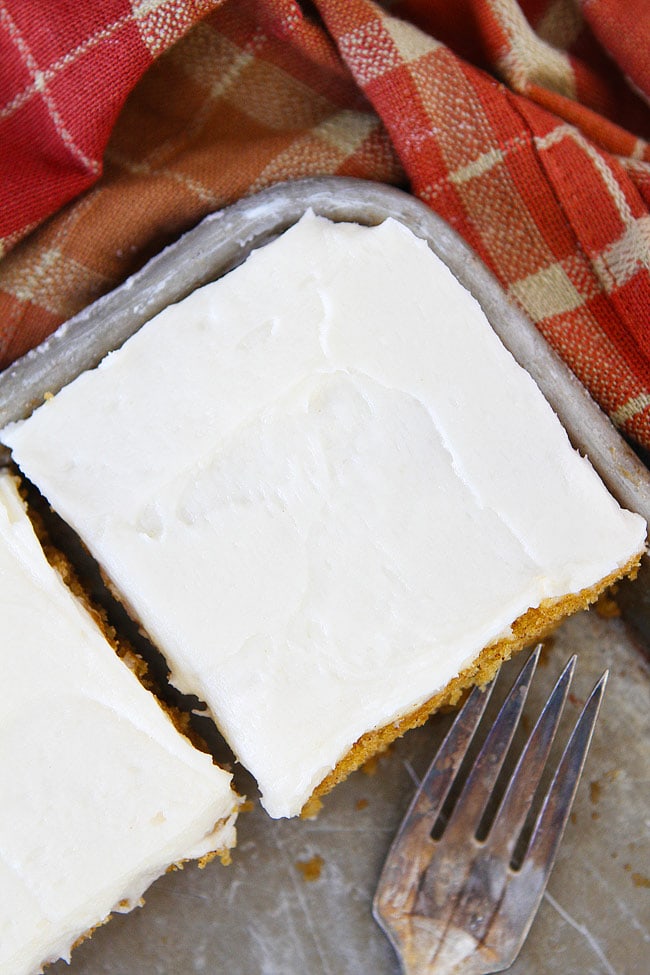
{"x": 323, "y": 486}
{"x": 100, "y": 793}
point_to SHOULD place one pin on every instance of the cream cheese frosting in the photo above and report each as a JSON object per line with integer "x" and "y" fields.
{"x": 100, "y": 793}
{"x": 323, "y": 486}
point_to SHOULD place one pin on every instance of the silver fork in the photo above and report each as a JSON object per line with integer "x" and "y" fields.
{"x": 451, "y": 899}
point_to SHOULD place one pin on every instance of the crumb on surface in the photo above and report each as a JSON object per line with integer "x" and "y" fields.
{"x": 311, "y": 869}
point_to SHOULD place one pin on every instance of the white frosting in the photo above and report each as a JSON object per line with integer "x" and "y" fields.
{"x": 100, "y": 793}
{"x": 323, "y": 486}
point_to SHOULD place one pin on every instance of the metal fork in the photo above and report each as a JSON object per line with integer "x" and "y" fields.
{"x": 455, "y": 895}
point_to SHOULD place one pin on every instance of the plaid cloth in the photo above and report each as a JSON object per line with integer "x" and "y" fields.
{"x": 123, "y": 122}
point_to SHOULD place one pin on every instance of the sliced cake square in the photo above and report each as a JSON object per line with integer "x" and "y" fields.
{"x": 330, "y": 496}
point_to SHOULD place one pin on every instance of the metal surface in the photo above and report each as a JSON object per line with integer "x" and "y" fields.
{"x": 297, "y": 897}
{"x": 456, "y": 896}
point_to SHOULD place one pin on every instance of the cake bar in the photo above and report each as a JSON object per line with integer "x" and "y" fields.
{"x": 329, "y": 495}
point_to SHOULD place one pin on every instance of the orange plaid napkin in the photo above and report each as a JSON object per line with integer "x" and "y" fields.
{"x": 123, "y": 122}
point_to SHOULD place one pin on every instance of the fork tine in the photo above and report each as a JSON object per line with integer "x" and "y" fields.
{"x": 470, "y": 807}
{"x": 440, "y": 775}
{"x": 523, "y": 895}
{"x": 434, "y": 788}
{"x": 515, "y": 805}
{"x": 412, "y": 847}
{"x": 555, "y": 810}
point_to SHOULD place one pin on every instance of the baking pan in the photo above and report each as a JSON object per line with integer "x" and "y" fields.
{"x": 297, "y": 898}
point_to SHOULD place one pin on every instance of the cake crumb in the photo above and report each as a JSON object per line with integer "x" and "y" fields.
{"x": 311, "y": 808}
{"x": 361, "y": 804}
{"x": 174, "y": 867}
{"x": 606, "y": 605}
{"x": 369, "y": 767}
{"x": 311, "y": 869}
{"x": 640, "y": 881}
{"x": 371, "y": 764}
{"x": 546, "y": 651}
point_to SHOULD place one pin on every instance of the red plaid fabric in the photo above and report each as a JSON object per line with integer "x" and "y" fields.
{"x": 66, "y": 70}
{"x": 523, "y": 125}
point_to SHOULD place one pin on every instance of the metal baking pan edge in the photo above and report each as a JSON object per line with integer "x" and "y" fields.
{"x": 224, "y": 239}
